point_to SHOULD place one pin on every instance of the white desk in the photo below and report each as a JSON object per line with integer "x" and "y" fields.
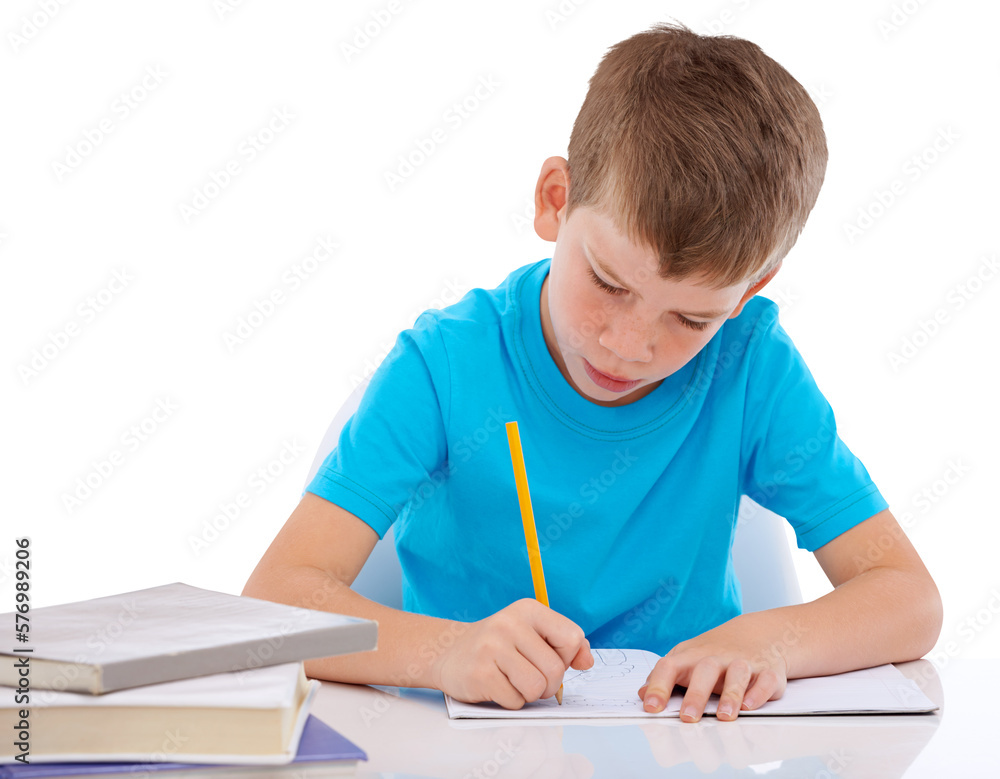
{"x": 407, "y": 733}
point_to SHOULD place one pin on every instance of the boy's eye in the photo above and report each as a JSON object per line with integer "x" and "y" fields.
{"x": 692, "y": 324}
{"x": 605, "y": 286}
{"x": 619, "y": 291}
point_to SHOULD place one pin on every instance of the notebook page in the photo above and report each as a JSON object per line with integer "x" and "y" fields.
{"x": 881, "y": 689}
{"x": 610, "y": 689}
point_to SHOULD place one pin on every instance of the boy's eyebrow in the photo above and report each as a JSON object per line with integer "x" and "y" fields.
{"x": 620, "y": 283}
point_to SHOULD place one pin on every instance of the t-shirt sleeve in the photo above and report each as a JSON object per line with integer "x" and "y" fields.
{"x": 395, "y": 442}
{"x": 793, "y": 462}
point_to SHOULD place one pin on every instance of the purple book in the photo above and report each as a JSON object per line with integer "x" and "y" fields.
{"x": 321, "y": 749}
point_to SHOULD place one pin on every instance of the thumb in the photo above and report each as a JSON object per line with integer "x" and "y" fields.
{"x": 584, "y": 659}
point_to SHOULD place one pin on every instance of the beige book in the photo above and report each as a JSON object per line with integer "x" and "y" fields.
{"x": 250, "y": 716}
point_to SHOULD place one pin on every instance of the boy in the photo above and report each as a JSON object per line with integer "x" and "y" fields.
{"x": 652, "y": 390}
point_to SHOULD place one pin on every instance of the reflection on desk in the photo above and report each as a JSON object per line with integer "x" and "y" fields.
{"x": 407, "y": 733}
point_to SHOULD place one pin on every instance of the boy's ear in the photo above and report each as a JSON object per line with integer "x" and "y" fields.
{"x": 753, "y": 290}
{"x": 551, "y": 193}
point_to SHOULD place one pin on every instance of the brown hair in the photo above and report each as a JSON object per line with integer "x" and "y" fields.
{"x": 702, "y": 148}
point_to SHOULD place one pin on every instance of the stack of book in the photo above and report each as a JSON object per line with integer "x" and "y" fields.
{"x": 172, "y": 680}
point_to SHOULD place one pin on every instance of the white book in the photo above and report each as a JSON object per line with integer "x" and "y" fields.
{"x": 249, "y": 716}
{"x": 610, "y": 689}
{"x": 170, "y": 632}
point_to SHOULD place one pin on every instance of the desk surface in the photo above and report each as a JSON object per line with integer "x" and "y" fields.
{"x": 407, "y": 733}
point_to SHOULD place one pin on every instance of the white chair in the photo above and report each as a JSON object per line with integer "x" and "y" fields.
{"x": 761, "y": 555}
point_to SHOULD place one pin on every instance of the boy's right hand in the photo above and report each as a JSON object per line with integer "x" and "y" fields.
{"x": 513, "y": 657}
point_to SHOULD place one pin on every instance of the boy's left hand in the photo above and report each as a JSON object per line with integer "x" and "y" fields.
{"x": 739, "y": 660}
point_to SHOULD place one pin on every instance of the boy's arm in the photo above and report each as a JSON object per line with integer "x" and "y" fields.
{"x": 885, "y": 608}
{"x": 517, "y": 655}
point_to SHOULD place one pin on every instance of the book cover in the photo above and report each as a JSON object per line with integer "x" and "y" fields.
{"x": 322, "y": 752}
{"x": 174, "y": 631}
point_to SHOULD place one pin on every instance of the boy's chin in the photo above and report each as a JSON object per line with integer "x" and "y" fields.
{"x": 607, "y": 397}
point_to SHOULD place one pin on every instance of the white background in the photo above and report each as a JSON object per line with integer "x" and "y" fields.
{"x": 890, "y": 79}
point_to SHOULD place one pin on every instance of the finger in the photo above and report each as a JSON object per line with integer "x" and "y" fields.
{"x": 559, "y": 632}
{"x": 546, "y": 662}
{"x": 552, "y": 644}
{"x": 769, "y": 685}
{"x": 704, "y": 678}
{"x": 656, "y": 691}
{"x": 584, "y": 658}
{"x": 520, "y": 682}
{"x": 738, "y": 677}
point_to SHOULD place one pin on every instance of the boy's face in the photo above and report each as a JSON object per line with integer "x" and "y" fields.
{"x": 644, "y": 332}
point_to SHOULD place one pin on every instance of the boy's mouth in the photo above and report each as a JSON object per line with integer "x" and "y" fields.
{"x": 612, "y": 383}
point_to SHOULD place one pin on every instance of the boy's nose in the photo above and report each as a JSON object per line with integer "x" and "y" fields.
{"x": 628, "y": 340}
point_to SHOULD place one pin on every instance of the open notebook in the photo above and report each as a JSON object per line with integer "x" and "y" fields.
{"x": 610, "y": 689}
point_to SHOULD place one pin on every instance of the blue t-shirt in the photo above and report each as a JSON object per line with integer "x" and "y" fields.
{"x": 634, "y": 504}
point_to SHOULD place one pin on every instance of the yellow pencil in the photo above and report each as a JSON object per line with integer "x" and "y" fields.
{"x": 528, "y": 520}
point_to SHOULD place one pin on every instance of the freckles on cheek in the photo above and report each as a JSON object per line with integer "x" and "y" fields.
{"x": 677, "y": 349}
